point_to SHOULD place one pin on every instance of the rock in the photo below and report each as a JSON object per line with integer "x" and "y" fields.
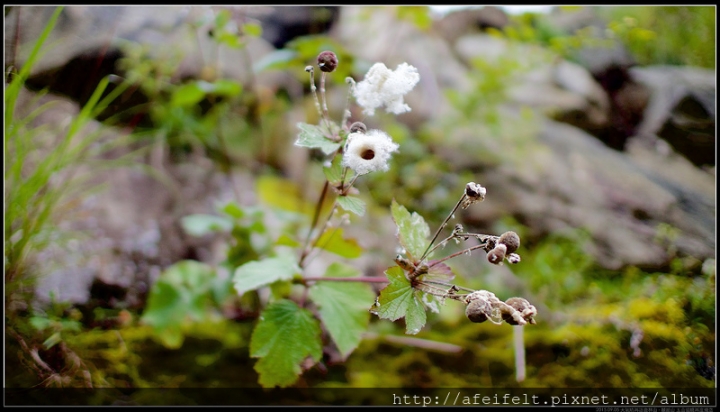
{"x": 284, "y": 23}
{"x": 458, "y": 23}
{"x": 88, "y": 43}
{"x": 576, "y": 182}
{"x": 680, "y": 111}
{"x": 550, "y": 175}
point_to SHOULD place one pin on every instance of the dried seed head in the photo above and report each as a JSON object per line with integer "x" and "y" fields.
{"x": 473, "y": 193}
{"x": 513, "y": 258}
{"x": 358, "y": 127}
{"x": 522, "y": 306}
{"x": 327, "y": 61}
{"x": 497, "y": 255}
{"x": 478, "y": 310}
{"x": 511, "y": 240}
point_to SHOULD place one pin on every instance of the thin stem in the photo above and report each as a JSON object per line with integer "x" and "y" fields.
{"x": 327, "y": 222}
{"x": 349, "y": 185}
{"x": 519, "y": 346}
{"x": 415, "y": 342}
{"x": 323, "y": 75}
{"x": 450, "y": 285}
{"x": 363, "y": 279}
{"x": 313, "y": 89}
{"x": 309, "y": 248}
{"x": 346, "y": 112}
{"x": 442, "y": 226}
{"x": 442, "y": 293}
{"x": 316, "y": 217}
{"x": 444, "y": 241}
{"x": 480, "y": 237}
{"x": 435, "y": 262}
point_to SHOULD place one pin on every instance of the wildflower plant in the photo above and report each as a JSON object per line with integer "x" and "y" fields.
{"x": 331, "y": 312}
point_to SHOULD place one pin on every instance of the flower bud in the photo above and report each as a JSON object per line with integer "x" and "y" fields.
{"x": 511, "y": 240}
{"x": 327, "y": 61}
{"x": 358, "y": 127}
{"x": 497, "y": 255}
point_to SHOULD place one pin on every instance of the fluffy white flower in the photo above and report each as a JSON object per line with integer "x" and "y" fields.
{"x": 368, "y": 152}
{"x": 383, "y": 86}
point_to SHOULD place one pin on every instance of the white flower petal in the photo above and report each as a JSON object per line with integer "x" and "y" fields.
{"x": 385, "y": 87}
{"x": 368, "y": 152}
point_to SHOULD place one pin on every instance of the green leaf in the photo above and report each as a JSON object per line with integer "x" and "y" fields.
{"x": 352, "y": 204}
{"x": 233, "y": 210}
{"x": 53, "y": 340}
{"x": 281, "y": 59}
{"x": 258, "y": 273}
{"x": 333, "y": 174}
{"x": 224, "y": 87}
{"x": 285, "y": 240}
{"x": 333, "y": 241}
{"x": 182, "y": 293}
{"x": 332, "y": 129}
{"x": 282, "y": 194}
{"x": 313, "y": 137}
{"x": 343, "y": 307}
{"x": 398, "y": 299}
{"x": 229, "y": 39}
{"x": 40, "y": 323}
{"x": 187, "y": 95}
{"x": 285, "y": 336}
{"x": 413, "y": 232}
{"x": 252, "y": 29}
{"x": 200, "y": 224}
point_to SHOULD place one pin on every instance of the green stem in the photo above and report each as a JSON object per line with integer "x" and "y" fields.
{"x": 363, "y": 279}
{"x": 316, "y": 218}
{"x": 436, "y": 262}
{"x": 442, "y": 226}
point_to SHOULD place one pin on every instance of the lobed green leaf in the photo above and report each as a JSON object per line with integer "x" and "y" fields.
{"x": 343, "y": 307}
{"x": 352, "y": 204}
{"x": 333, "y": 241}
{"x": 285, "y": 336}
{"x": 181, "y": 293}
{"x": 412, "y": 233}
{"x": 398, "y": 299}
{"x": 258, "y": 273}
{"x": 314, "y": 137}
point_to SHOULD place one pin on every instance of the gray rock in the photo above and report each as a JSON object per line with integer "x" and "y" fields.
{"x": 681, "y": 110}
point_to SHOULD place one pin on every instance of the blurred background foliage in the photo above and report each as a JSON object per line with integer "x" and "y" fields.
{"x": 596, "y": 328}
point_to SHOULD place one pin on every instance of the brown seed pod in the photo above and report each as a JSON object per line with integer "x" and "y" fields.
{"x": 511, "y": 240}
{"x": 478, "y": 310}
{"x": 327, "y": 61}
{"x": 474, "y": 191}
{"x": 497, "y": 255}
{"x": 527, "y": 311}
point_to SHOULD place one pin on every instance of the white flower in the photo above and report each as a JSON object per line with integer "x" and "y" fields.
{"x": 368, "y": 152}
{"x": 383, "y": 86}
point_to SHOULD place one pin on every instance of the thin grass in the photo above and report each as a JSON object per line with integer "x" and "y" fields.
{"x": 40, "y": 182}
